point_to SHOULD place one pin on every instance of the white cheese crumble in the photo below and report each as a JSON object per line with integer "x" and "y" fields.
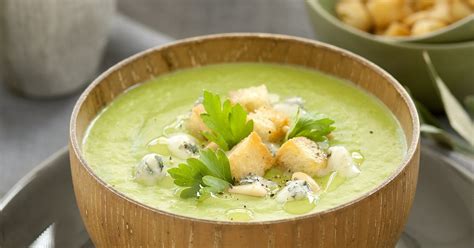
{"x": 150, "y": 170}
{"x": 181, "y": 145}
{"x": 340, "y": 161}
{"x": 295, "y": 190}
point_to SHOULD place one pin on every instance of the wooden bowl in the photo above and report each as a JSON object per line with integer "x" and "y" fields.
{"x": 374, "y": 220}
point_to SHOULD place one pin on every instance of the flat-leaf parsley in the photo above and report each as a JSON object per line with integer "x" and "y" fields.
{"x": 201, "y": 177}
{"x": 311, "y": 127}
{"x": 228, "y": 123}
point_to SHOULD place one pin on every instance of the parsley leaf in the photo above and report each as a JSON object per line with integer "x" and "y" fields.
{"x": 201, "y": 177}
{"x": 228, "y": 124}
{"x": 311, "y": 127}
{"x": 212, "y": 185}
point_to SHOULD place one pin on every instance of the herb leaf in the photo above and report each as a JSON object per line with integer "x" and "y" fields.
{"x": 445, "y": 138}
{"x": 216, "y": 164}
{"x": 215, "y": 184}
{"x": 311, "y": 127}
{"x": 228, "y": 124}
{"x": 458, "y": 118}
{"x": 201, "y": 177}
{"x": 469, "y": 102}
{"x": 186, "y": 175}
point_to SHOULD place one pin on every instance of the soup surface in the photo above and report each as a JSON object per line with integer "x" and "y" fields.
{"x": 121, "y": 134}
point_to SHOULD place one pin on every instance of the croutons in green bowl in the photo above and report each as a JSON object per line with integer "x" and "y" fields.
{"x": 401, "y": 59}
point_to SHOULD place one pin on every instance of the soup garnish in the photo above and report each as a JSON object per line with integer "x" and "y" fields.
{"x": 237, "y": 141}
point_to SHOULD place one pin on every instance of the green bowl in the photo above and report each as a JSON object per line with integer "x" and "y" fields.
{"x": 453, "y": 61}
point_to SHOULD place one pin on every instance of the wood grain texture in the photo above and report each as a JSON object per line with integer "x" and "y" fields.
{"x": 374, "y": 220}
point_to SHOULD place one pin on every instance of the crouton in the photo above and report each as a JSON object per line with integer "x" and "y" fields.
{"x": 211, "y": 145}
{"x": 425, "y": 26}
{"x": 459, "y": 10}
{"x": 423, "y": 4}
{"x": 397, "y": 29}
{"x": 251, "y": 98}
{"x": 270, "y": 124}
{"x": 471, "y": 3}
{"x": 354, "y": 13}
{"x": 194, "y": 124}
{"x": 301, "y": 155}
{"x": 384, "y": 12}
{"x": 250, "y": 157}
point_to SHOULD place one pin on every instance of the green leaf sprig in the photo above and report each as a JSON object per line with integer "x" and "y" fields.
{"x": 458, "y": 118}
{"x": 201, "y": 177}
{"x": 311, "y": 127}
{"x": 228, "y": 123}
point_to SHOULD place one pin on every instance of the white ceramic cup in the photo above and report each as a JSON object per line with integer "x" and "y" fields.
{"x": 52, "y": 47}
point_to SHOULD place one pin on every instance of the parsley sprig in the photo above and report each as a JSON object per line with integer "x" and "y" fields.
{"x": 311, "y": 127}
{"x": 228, "y": 123}
{"x": 201, "y": 177}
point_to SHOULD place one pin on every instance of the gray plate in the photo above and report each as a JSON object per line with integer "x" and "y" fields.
{"x": 41, "y": 211}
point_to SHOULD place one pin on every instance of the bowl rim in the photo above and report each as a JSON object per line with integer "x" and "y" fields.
{"x": 412, "y": 147}
{"x": 400, "y": 43}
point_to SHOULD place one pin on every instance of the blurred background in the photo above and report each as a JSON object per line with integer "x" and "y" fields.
{"x": 186, "y": 18}
{"x": 52, "y": 49}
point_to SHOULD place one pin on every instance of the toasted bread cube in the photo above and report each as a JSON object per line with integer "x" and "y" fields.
{"x": 384, "y": 12}
{"x": 414, "y": 17}
{"x": 213, "y": 146}
{"x": 271, "y": 125}
{"x": 251, "y": 98}
{"x": 459, "y": 10}
{"x": 423, "y": 4}
{"x": 397, "y": 29}
{"x": 301, "y": 154}
{"x": 250, "y": 157}
{"x": 194, "y": 124}
{"x": 354, "y": 13}
{"x": 471, "y": 3}
{"x": 425, "y": 26}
